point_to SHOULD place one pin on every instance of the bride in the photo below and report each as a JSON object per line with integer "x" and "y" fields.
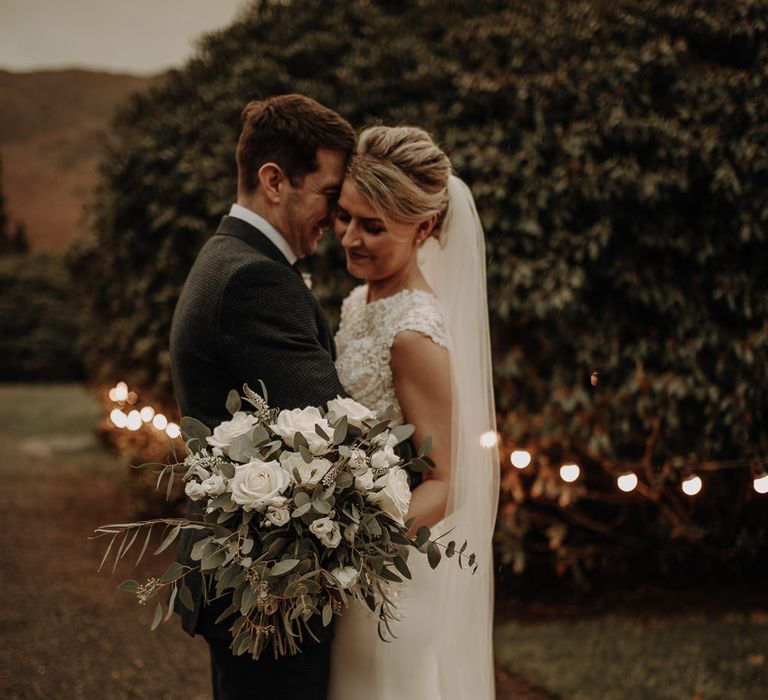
{"x": 416, "y": 337}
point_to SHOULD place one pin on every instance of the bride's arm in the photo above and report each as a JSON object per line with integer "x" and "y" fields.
{"x": 422, "y": 376}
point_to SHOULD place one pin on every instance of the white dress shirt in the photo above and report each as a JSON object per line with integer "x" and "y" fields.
{"x": 259, "y": 222}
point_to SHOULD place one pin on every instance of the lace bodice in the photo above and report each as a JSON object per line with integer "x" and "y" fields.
{"x": 365, "y": 337}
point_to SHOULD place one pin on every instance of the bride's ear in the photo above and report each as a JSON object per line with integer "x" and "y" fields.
{"x": 425, "y": 229}
{"x": 271, "y": 178}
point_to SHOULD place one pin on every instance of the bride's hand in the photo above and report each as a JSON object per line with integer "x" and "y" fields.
{"x": 421, "y": 372}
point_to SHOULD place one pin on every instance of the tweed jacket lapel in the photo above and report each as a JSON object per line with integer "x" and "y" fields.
{"x": 232, "y": 226}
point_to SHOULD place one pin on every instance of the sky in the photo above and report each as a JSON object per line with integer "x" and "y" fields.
{"x": 121, "y": 36}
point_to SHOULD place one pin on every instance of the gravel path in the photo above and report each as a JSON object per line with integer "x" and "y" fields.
{"x": 65, "y": 631}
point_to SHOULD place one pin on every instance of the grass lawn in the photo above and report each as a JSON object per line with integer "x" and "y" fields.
{"x": 627, "y": 656}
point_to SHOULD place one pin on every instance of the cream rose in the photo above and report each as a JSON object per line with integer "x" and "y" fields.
{"x": 364, "y": 482}
{"x": 258, "y": 484}
{"x": 310, "y": 474}
{"x": 395, "y": 496}
{"x": 214, "y": 485}
{"x": 225, "y": 433}
{"x": 346, "y": 576}
{"x": 327, "y": 531}
{"x": 278, "y": 516}
{"x": 385, "y": 438}
{"x": 303, "y": 420}
{"x": 384, "y": 458}
{"x": 355, "y": 412}
{"x": 195, "y": 490}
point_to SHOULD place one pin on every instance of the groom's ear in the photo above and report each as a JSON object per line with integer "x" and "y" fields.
{"x": 271, "y": 177}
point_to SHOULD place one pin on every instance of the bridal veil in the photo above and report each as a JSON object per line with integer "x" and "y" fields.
{"x": 454, "y": 267}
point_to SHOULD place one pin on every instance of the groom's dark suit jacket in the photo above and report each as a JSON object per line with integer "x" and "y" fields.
{"x": 244, "y": 314}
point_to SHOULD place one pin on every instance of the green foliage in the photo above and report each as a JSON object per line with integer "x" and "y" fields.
{"x": 617, "y": 152}
{"x": 40, "y": 320}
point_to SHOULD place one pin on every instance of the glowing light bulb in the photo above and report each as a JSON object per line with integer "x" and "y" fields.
{"x": 520, "y": 459}
{"x": 172, "y": 431}
{"x": 121, "y": 391}
{"x": 692, "y": 485}
{"x": 761, "y": 483}
{"x": 119, "y": 418}
{"x": 160, "y": 421}
{"x": 570, "y": 472}
{"x": 132, "y": 397}
{"x": 134, "y": 420}
{"x": 113, "y": 395}
{"x": 147, "y": 413}
{"x": 627, "y": 482}
{"x": 489, "y": 439}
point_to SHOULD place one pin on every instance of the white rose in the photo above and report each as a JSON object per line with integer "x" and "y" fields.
{"x": 327, "y": 531}
{"x": 364, "y": 482}
{"x": 214, "y": 485}
{"x": 350, "y": 531}
{"x": 195, "y": 490}
{"x": 346, "y": 576}
{"x": 355, "y": 412}
{"x": 310, "y": 474}
{"x": 278, "y": 516}
{"x": 303, "y": 420}
{"x": 225, "y": 433}
{"x": 385, "y": 438}
{"x": 395, "y": 497}
{"x": 257, "y": 484}
{"x": 357, "y": 459}
{"x": 384, "y": 458}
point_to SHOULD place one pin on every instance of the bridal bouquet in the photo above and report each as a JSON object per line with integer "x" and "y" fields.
{"x": 303, "y": 511}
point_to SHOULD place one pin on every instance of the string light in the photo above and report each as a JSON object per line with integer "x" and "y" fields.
{"x": 160, "y": 422}
{"x": 570, "y": 472}
{"x": 520, "y": 459}
{"x": 761, "y": 483}
{"x": 134, "y": 420}
{"x": 172, "y": 431}
{"x": 118, "y": 418}
{"x": 692, "y": 485}
{"x": 113, "y": 394}
{"x": 627, "y": 482}
{"x": 489, "y": 439}
{"x": 147, "y": 413}
{"x": 121, "y": 392}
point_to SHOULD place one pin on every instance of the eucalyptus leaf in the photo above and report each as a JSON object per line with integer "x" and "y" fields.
{"x": 129, "y": 586}
{"x": 283, "y": 567}
{"x": 158, "y": 616}
{"x": 185, "y": 596}
{"x": 193, "y": 428}
{"x": 433, "y": 555}
{"x": 327, "y": 614}
{"x": 233, "y": 402}
{"x": 173, "y": 571}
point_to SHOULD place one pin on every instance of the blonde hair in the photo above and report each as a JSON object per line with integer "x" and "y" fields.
{"x": 402, "y": 173}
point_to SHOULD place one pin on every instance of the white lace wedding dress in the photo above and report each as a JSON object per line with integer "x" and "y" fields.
{"x": 444, "y": 646}
{"x": 363, "y": 666}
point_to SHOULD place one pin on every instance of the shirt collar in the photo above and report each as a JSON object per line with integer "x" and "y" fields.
{"x": 259, "y": 222}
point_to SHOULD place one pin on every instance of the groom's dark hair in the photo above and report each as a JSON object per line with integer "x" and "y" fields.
{"x": 287, "y": 130}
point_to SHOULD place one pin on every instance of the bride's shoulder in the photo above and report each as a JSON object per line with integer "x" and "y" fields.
{"x": 418, "y": 311}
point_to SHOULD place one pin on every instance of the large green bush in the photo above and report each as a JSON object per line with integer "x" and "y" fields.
{"x": 619, "y": 156}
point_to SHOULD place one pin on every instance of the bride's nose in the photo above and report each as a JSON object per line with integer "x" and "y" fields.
{"x": 350, "y": 236}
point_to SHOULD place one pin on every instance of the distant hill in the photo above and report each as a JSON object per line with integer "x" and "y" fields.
{"x": 51, "y": 129}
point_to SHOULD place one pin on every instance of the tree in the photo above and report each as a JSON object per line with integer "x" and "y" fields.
{"x": 617, "y": 155}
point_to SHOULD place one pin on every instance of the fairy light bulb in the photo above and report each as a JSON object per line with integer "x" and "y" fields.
{"x": 121, "y": 391}
{"x": 172, "y": 431}
{"x": 134, "y": 420}
{"x": 761, "y": 483}
{"x": 627, "y": 482}
{"x": 520, "y": 459}
{"x": 570, "y": 472}
{"x": 147, "y": 413}
{"x": 489, "y": 439}
{"x": 118, "y": 418}
{"x": 692, "y": 485}
{"x": 113, "y": 394}
{"x": 160, "y": 422}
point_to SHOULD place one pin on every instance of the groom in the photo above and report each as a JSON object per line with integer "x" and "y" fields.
{"x": 245, "y": 314}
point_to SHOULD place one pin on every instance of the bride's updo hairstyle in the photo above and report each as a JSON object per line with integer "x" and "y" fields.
{"x": 402, "y": 173}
